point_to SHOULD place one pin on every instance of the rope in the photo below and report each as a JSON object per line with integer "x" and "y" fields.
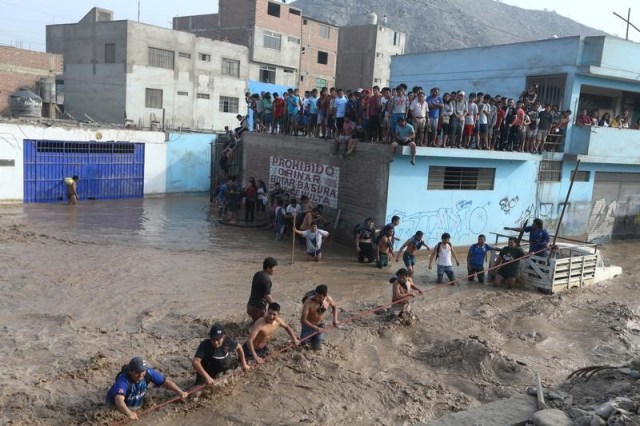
{"x": 351, "y": 319}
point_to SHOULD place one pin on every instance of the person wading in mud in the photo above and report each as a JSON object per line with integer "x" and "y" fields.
{"x": 213, "y": 356}
{"x": 72, "y": 189}
{"x": 255, "y": 348}
{"x": 261, "y": 290}
{"x": 127, "y": 393}
{"x": 404, "y": 290}
{"x": 412, "y": 245}
{"x": 314, "y": 308}
{"x": 442, "y": 254}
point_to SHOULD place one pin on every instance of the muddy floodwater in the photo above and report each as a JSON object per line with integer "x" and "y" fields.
{"x": 84, "y": 289}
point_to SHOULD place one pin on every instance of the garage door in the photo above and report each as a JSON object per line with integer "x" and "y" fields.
{"x": 615, "y": 211}
{"x": 106, "y": 170}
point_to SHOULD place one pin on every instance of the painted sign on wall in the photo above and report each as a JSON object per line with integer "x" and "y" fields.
{"x": 317, "y": 181}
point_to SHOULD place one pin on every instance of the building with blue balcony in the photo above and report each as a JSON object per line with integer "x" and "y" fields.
{"x": 466, "y": 192}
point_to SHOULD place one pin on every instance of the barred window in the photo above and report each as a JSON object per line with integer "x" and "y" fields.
{"x": 180, "y": 93}
{"x": 267, "y": 74}
{"x": 203, "y": 96}
{"x": 272, "y": 40}
{"x": 153, "y": 98}
{"x": 184, "y": 55}
{"x": 550, "y": 171}
{"x": 230, "y": 67}
{"x": 229, "y": 104}
{"x": 204, "y": 57}
{"x": 110, "y": 53}
{"x": 161, "y": 58}
{"x": 461, "y": 178}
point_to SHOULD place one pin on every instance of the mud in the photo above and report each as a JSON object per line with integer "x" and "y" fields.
{"x": 83, "y": 290}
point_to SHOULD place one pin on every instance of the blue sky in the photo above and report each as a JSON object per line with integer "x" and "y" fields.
{"x": 22, "y": 23}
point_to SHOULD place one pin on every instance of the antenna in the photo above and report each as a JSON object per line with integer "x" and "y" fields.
{"x": 628, "y": 21}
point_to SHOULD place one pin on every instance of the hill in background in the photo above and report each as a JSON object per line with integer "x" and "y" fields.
{"x": 441, "y": 25}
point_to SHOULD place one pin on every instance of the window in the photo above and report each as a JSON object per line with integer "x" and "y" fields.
{"x": 325, "y": 31}
{"x": 183, "y": 93}
{"x": 304, "y": 22}
{"x": 203, "y": 96}
{"x": 110, "y": 53}
{"x": 184, "y": 55}
{"x": 230, "y": 67}
{"x": 295, "y": 40}
{"x": 396, "y": 38}
{"x": 267, "y": 74}
{"x": 288, "y": 70}
{"x": 581, "y": 176}
{"x": 161, "y": 58}
{"x": 461, "y": 178}
{"x": 272, "y": 40}
{"x": 550, "y": 171}
{"x": 323, "y": 57}
{"x": 228, "y": 104}
{"x": 153, "y": 98}
{"x": 380, "y": 55}
{"x": 204, "y": 57}
{"x": 550, "y": 88}
{"x": 273, "y": 9}
{"x": 294, "y": 11}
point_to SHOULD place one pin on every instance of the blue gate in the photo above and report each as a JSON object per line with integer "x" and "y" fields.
{"x": 106, "y": 170}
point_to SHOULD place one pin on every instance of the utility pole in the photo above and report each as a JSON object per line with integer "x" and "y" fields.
{"x": 628, "y": 21}
{"x": 139, "y": 12}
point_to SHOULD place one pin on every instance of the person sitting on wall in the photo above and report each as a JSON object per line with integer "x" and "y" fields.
{"x": 403, "y": 136}
{"x": 243, "y": 127}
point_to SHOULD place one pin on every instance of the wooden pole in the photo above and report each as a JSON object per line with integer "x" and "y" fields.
{"x": 566, "y": 201}
{"x": 293, "y": 238}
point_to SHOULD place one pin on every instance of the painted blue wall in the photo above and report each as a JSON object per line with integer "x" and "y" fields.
{"x": 462, "y": 213}
{"x": 189, "y": 162}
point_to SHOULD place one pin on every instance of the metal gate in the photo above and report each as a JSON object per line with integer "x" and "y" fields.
{"x": 615, "y": 211}
{"x": 233, "y": 167}
{"x": 107, "y": 170}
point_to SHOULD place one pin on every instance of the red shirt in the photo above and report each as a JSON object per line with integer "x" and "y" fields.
{"x": 278, "y": 107}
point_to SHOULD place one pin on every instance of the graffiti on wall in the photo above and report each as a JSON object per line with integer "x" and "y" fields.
{"x": 461, "y": 221}
{"x": 507, "y": 204}
{"x": 602, "y": 219}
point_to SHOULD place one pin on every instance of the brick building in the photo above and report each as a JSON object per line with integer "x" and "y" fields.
{"x": 272, "y": 31}
{"x": 319, "y": 54}
{"x": 23, "y": 68}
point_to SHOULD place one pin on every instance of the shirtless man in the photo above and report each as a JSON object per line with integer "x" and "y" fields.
{"x": 384, "y": 248}
{"x": 412, "y": 245}
{"x": 313, "y": 311}
{"x": 404, "y": 290}
{"x": 255, "y": 348}
{"x": 72, "y": 190}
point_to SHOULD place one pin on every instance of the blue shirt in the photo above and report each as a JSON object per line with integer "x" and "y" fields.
{"x": 434, "y": 112}
{"x": 293, "y": 104}
{"x": 404, "y": 132}
{"x": 340, "y": 105}
{"x": 133, "y": 392}
{"x": 538, "y": 238}
{"x": 478, "y": 253}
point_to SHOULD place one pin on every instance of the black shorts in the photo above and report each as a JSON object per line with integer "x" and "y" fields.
{"x": 340, "y": 123}
{"x": 262, "y": 352}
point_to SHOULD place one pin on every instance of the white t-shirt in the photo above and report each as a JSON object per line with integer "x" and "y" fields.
{"x": 444, "y": 255}
{"x": 314, "y": 239}
{"x": 294, "y": 211}
{"x": 485, "y": 111}
{"x": 470, "y": 118}
{"x": 419, "y": 109}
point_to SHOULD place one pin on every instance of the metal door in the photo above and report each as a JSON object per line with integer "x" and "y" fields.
{"x": 615, "y": 206}
{"x": 107, "y": 170}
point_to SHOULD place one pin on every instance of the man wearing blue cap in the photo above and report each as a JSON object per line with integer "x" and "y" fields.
{"x": 127, "y": 393}
{"x": 213, "y": 356}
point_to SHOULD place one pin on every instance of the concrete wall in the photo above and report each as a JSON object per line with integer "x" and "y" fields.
{"x": 23, "y": 68}
{"x": 363, "y": 177}
{"x": 390, "y": 43}
{"x": 313, "y": 42}
{"x": 288, "y": 56}
{"x": 492, "y": 69}
{"x": 13, "y": 134}
{"x": 462, "y": 213}
{"x": 189, "y": 162}
{"x": 356, "y": 56}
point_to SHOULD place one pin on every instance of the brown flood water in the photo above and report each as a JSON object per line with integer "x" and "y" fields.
{"x": 84, "y": 289}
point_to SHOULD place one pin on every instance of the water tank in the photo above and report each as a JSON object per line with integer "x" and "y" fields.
{"x": 372, "y": 19}
{"x": 46, "y": 88}
{"x": 25, "y": 103}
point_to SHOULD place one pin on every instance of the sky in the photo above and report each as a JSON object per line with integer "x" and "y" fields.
{"x": 22, "y": 23}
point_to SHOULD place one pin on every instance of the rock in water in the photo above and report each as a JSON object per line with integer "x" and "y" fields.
{"x": 551, "y": 417}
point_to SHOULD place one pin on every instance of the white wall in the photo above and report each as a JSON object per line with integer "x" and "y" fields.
{"x": 12, "y": 136}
